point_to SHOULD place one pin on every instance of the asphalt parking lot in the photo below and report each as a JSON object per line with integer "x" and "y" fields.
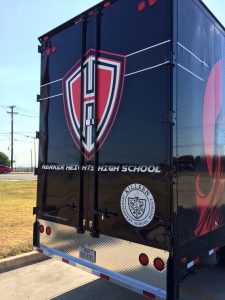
{"x": 53, "y": 279}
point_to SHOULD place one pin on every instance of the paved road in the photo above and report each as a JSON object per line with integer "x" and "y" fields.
{"x": 55, "y": 280}
{"x": 18, "y": 176}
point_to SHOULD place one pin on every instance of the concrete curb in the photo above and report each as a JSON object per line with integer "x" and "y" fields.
{"x": 19, "y": 261}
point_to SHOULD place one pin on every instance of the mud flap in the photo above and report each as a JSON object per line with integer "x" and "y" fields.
{"x": 36, "y": 240}
{"x": 221, "y": 258}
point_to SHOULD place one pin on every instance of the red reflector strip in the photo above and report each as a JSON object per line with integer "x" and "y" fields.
{"x": 148, "y": 294}
{"x": 197, "y": 260}
{"x": 106, "y": 4}
{"x": 214, "y": 250}
{"x": 91, "y": 13}
{"x": 193, "y": 262}
{"x": 72, "y": 262}
{"x": 45, "y": 38}
{"x": 103, "y": 276}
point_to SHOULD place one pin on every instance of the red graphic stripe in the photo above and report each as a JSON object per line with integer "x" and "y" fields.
{"x": 210, "y": 215}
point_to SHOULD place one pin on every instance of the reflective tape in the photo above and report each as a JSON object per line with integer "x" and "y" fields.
{"x": 53, "y": 254}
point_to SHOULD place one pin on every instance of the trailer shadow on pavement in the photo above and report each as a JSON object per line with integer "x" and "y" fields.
{"x": 99, "y": 290}
{"x": 54, "y": 280}
{"x": 203, "y": 284}
{"x": 206, "y": 283}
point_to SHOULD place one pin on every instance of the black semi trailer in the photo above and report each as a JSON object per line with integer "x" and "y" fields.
{"x": 131, "y": 169}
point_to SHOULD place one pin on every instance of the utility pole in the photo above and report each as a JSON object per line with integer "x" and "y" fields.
{"x": 34, "y": 153}
{"x": 12, "y": 113}
{"x": 31, "y": 161}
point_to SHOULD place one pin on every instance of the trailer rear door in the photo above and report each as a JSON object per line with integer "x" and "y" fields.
{"x": 118, "y": 182}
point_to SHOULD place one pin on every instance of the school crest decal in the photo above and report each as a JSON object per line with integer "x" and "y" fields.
{"x": 106, "y": 100}
{"x": 137, "y": 205}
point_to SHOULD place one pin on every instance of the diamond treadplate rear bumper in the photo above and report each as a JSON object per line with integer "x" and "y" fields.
{"x": 117, "y": 258}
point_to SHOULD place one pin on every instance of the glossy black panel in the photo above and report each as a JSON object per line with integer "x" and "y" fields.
{"x": 138, "y": 133}
{"x": 135, "y": 145}
{"x": 200, "y": 142}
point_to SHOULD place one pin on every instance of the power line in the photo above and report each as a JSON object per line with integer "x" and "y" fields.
{"x": 17, "y": 132}
{"x": 34, "y": 138}
{"x": 31, "y": 137}
{"x": 16, "y": 140}
{"x": 25, "y": 132}
{"x": 20, "y": 125}
{"x": 27, "y": 136}
{"x": 29, "y": 111}
{"x": 27, "y": 116}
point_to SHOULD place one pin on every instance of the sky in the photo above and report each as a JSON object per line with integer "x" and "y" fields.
{"x": 21, "y": 22}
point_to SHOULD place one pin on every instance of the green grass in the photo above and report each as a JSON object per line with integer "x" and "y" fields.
{"x": 17, "y": 199}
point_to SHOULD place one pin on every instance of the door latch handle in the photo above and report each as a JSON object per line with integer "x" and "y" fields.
{"x": 106, "y": 214}
{"x": 72, "y": 206}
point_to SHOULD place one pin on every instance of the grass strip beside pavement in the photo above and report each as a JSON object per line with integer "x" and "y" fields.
{"x": 17, "y": 199}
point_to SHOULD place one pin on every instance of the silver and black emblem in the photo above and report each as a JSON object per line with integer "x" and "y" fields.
{"x": 137, "y": 205}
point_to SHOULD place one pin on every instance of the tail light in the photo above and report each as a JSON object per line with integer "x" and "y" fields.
{"x": 53, "y": 49}
{"x": 159, "y": 264}
{"x": 107, "y": 4}
{"x": 143, "y": 258}
{"x": 141, "y": 6}
{"x": 48, "y": 230}
{"x": 41, "y": 228}
{"x": 152, "y": 2}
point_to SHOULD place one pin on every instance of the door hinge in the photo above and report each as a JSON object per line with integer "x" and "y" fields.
{"x": 43, "y": 47}
{"x": 172, "y": 118}
{"x": 173, "y": 59}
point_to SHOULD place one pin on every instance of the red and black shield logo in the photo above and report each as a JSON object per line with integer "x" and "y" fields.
{"x": 111, "y": 70}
